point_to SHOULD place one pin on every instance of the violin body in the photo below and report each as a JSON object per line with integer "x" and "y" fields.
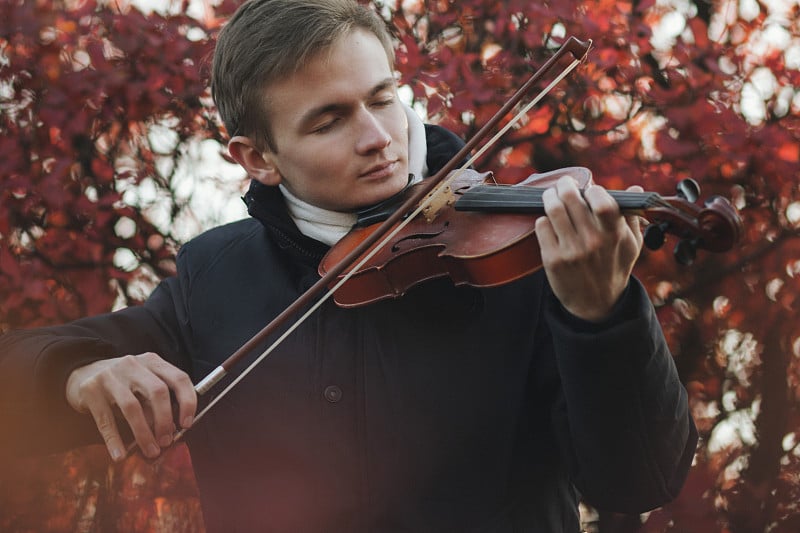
{"x": 437, "y": 248}
{"x": 492, "y": 241}
{"x": 470, "y": 247}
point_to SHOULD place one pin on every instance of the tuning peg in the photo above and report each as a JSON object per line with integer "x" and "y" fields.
{"x": 689, "y": 190}
{"x": 685, "y": 251}
{"x": 654, "y": 235}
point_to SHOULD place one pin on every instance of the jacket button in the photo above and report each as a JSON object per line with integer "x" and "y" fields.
{"x": 332, "y": 393}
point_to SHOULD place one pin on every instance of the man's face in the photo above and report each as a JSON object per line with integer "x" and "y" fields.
{"x": 340, "y": 132}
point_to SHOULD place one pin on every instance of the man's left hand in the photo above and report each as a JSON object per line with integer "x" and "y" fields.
{"x": 588, "y": 247}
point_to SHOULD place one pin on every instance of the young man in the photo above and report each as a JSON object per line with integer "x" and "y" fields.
{"x": 449, "y": 409}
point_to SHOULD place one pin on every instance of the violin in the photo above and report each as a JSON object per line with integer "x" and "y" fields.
{"x": 481, "y": 234}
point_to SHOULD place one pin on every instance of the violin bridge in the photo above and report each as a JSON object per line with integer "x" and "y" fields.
{"x": 436, "y": 200}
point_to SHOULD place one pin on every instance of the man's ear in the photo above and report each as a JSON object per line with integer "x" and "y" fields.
{"x": 259, "y": 165}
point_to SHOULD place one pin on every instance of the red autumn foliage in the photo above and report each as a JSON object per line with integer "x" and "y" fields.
{"x": 85, "y": 86}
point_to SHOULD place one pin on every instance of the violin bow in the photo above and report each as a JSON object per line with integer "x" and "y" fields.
{"x": 388, "y": 228}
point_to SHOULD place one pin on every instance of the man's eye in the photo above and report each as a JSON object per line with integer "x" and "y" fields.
{"x": 327, "y": 126}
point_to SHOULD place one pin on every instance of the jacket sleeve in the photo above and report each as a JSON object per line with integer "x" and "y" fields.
{"x": 624, "y": 422}
{"x": 35, "y": 365}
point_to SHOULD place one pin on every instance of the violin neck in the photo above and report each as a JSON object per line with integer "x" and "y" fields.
{"x": 528, "y": 200}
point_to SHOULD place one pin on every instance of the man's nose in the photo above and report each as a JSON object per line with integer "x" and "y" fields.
{"x": 373, "y": 135}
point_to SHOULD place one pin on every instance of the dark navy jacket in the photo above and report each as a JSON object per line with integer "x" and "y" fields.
{"x": 449, "y": 409}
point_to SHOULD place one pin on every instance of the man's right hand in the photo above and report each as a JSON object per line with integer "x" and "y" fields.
{"x": 139, "y": 387}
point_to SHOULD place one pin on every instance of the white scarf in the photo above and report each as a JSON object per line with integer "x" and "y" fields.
{"x": 329, "y": 226}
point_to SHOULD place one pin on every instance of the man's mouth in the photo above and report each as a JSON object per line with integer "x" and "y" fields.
{"x": 380, "y": 171}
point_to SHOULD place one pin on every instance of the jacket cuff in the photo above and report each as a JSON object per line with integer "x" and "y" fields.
{"x": 626, "y": 308}
{"x": 58, "y": 422}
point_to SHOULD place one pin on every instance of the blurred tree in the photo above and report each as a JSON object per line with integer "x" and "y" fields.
{"x": 99, "y": 104}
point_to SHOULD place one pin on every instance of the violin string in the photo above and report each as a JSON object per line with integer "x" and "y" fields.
{"x": 526, "y": 196}
{"x": 646, "y": 199}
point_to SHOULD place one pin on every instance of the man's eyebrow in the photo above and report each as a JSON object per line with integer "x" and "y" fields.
{"x": 315, "y": 112}
{"x": 384, "y": 84}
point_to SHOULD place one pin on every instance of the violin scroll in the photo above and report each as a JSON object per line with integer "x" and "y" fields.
{"x": 716, "y": 226}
